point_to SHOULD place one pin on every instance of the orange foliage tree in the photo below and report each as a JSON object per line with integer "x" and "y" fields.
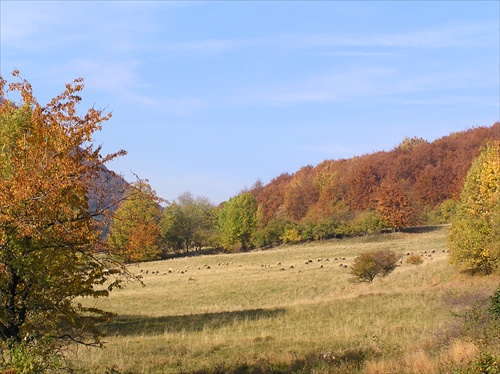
{"x": 394, "y": 206}
{"x": 50, "y": 239}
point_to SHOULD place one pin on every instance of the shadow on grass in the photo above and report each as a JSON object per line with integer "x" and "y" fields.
{"x": 143, "y": 325}
{"x": 350, "y": 361}
{"x": 422, "y": 229}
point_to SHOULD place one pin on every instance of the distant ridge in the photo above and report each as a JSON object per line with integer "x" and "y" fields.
{"x": 426, "y": 173}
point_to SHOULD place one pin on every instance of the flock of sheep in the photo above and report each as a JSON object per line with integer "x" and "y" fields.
{"x": 342, "y": 262}
{"x": 278, "y": 265}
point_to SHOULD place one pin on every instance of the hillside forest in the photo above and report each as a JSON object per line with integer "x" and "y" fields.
{"x": 417, "y": 182}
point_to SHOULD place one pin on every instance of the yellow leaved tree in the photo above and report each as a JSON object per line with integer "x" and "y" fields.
{"x": 475, "y": 232}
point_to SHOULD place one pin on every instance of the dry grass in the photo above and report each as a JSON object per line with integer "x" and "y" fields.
{"x": 275, "y": 311}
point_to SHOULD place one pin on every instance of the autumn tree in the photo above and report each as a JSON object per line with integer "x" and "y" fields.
{"x": 189, "y": 222}
{"x": 135, "y": 233}
{"x": 301, "y": 194}
{"x": 237, "y": 220}
{"x": 394, "y": 206}
{"x": 51, "y": 253}
{"x": 474, "y": 236}
{"x": 362, "y": 181}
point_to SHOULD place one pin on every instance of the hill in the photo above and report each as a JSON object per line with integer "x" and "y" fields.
{"x": 423, "y": 176}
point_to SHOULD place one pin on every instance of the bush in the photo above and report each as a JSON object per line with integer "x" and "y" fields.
{"x": 494, "y": 308}
{"x": 414, "y": 260}
{"x": 370, "y": 264}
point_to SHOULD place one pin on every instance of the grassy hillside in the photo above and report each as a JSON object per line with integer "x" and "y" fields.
{"x": 276, "y": 311}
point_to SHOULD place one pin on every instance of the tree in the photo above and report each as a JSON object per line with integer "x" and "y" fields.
{"x": 394, "y": 206}
{"x": 189, "y": 222}
{"x": 237, "y": 220}
{"x": 301, "y": 194}
{"x": 370, "y": 264}
{"x": 135, "y": 231}
{"x": 474, "y": 236}
{"x": 51, "y": 252}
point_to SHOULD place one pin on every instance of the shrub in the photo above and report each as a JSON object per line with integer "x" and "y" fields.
{"x": 291, "y": 235}
{"x": 370, "y": 264}
{"x": 414, "y": 260}
{"x": 494, "y": 308}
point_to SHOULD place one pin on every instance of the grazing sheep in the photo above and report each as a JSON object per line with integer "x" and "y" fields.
{"x": 278, "y": 263}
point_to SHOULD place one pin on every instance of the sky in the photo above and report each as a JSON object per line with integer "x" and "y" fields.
{"x": 210, "y": 96}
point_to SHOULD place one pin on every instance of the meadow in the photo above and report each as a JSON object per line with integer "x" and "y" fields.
{"x": 293, "y": 309}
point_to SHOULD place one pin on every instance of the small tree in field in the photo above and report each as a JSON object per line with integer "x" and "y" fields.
{"x": 51, "y": 252}
{"x": 370, "y": 264}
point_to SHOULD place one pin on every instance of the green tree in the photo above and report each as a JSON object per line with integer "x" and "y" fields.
{"x": 135, "y": 232}
{"x": 474, "y": 236}
{"x": 189, "y": 222}
{"x": 51, "y": 252}
{"x": 237, "y": 220}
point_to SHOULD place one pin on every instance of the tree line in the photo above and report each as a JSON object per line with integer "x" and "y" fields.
{"x": 417, "y": 182}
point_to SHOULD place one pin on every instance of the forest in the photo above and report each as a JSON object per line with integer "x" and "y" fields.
{"x": 417, "y": 182}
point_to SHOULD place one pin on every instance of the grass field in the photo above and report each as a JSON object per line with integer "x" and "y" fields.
{"x": 292, "y": 309}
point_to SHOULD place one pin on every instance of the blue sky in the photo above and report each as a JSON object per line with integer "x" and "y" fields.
{"x": 207, "y": 97}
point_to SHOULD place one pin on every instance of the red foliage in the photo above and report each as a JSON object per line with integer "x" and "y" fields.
{"x": 425, "y": 173}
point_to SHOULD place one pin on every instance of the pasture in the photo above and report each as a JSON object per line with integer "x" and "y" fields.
{"x": 292, "y": 309}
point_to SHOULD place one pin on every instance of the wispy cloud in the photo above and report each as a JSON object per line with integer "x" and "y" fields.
{"x": 449, "y": 35}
